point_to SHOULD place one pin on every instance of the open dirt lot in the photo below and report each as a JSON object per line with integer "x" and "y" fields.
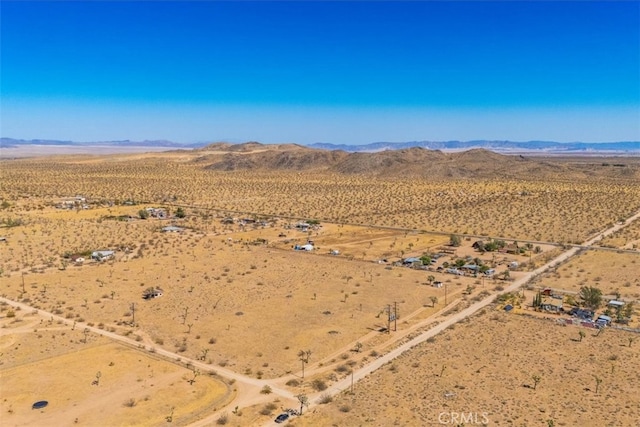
{"x": 486, "y": 367}
{"x": 88, "y": 380}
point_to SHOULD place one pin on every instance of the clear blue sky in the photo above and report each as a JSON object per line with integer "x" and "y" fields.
{"x": 341, "y": 72}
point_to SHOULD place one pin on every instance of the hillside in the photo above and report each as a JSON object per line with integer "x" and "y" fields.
{"x": 410, "y": 162}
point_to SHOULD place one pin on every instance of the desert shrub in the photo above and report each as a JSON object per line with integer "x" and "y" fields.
{"x": 345, "y": 408}
{"x": 293, "y": 383}
{"x": 319, "y": 384}
{"x": 266, "y": 390}
{"x": 325, "y": 398}
{"x": 223, "y": 419}
{"x": 130, "y": 403}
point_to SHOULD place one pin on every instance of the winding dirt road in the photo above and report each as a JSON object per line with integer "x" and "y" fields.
{"x": 248, "y": 388}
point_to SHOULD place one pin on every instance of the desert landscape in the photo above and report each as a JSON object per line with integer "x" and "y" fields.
{"x": 227, "y": 284}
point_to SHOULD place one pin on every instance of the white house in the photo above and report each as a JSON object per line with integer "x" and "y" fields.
{"x": 102, "y": 255}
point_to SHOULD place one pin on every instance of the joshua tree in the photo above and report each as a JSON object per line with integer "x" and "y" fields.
{"x": 97, "y": 380}
{"x": 431, "y": 278}
{"x": 195, "y": 374}
{"x": 630, "y": 341}
{"x": 169, "y": 418}
{"x": 304, "y": 358}
{"x": 434, "y": 301}
{"x": 536, "y": 380}
{"x": 358, "y": 347}
{"x": 582, "y": 334}
{"x": 184, "y": 315}
{"x": 598, "y": 381}
{"x": 304, "y": 401}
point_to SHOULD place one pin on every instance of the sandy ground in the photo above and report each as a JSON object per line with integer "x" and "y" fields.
{"x": 486, "y": 366}
{"x": 52, "y": 362}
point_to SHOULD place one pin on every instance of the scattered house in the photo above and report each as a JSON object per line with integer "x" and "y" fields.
{"x": 227, "y": 220}
{"x": 511, "y": 248}
{"x": 79, "y": 260}
{"x": 546, "y": 292}
{"x": 472, "y": 268}
{"x": 454, "y": 271}
{"x": 411, "y": 261}
{"x": 490, "y": 272}
{"x": 615, "y": 304}
{"x": 306, "y": 247}
{"x": 172, "y": 229}
{"x": 437, "y": 284}
{"x": 508, "y": 307}
{"x": 102, "y": 255}
{"x": 303, "y": 226}
{"x": 513, "y": 264}
{"x": 152, "y": 293}
{"x": 447, "y": 249}
{"x": 551, "y": 304}
{"x": 3, "y": 239}
{"x": 334, "y": 252}
{"x": 157, "y": 213}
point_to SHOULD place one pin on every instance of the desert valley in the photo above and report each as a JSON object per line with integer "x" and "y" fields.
{"x": 243, "y": 284}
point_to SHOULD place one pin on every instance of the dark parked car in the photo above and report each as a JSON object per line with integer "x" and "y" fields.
{"x": 282, "y": 418}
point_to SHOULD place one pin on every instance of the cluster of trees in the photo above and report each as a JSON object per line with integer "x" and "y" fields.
{"x": 591, "y": 297}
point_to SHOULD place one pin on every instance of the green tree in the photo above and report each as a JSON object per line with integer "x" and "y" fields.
{"x": 143, "y": 214}
{"x": 591, "y": 296}
{"x": 454, "y": 240}
{"x": 180, "y": 213}
{"x": 431, "y": 278}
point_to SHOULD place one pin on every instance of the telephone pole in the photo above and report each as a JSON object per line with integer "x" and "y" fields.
{"x": 133, "y": 313}
{"x": 395, "y": 316}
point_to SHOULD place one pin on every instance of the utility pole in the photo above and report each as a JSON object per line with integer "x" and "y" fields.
{"x": 351, "y": 381}
{"x": 445, "y": 294}
{"x": 395, "y": 316}
{"x": 133, "y": 313}
{"x": 388, "y": 318}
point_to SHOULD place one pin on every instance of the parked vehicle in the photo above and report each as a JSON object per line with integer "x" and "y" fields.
{"x": 282, "y": 418}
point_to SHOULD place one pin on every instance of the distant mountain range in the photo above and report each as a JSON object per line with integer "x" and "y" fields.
{"x": 506, "y": 147}
{"x": 496, "y": 146}
{"x": 11, "y": 142}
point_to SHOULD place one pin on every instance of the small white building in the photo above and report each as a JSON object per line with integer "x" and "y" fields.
{"x": 172, "y": 229}
{"x": 102, "y": 255}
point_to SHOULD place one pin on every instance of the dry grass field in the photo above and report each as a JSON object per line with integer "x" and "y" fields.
{"x": 235, "y": 295}
{"x": 613, "y": 273}
{"x": 486, "y": 367}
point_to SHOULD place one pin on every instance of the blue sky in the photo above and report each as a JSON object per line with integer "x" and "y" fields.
{"x": 304, "y": 72}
